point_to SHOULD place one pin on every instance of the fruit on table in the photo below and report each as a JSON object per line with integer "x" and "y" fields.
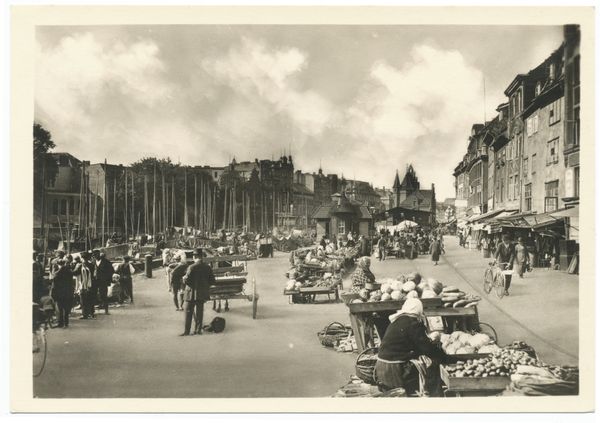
{"x": 408, "y": 286}
{"x": 412, "y": 294}
{"x": 504, "y": 362}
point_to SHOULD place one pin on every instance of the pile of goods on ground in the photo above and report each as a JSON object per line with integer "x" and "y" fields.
{"x": 358, "y": 388}
{"x": 414, "y": 286}
{"x": 459, "y": 342}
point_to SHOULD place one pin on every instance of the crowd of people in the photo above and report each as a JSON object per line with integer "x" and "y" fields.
{"x": 87, "y": 282}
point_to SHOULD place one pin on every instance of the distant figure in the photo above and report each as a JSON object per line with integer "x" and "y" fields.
{"x": 62, "y": 292}
{"x": 505, "y": 255}
{"x": 436, "y": 250}
{"x": 521, "y": 257}
{"x": 125, "y": 279}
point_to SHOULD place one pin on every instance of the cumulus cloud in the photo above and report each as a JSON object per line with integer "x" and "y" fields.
{"x": 419, "y": 113}
{"x": 123, "y": 101}
{"x": 92, "y": 92}
{"x": 267, "y": 76}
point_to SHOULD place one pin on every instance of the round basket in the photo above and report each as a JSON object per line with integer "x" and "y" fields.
{"x": 365, "y": 365}
{"x": 372, "y": 286}
{"x": 332, "y": 334}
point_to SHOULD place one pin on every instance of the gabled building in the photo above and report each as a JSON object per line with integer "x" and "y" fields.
{"x": 62, "y": 195}
{"x": 409, "y": 195}
{"x": 342, "y": 215}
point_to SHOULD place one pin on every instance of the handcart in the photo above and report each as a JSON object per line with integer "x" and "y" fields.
{"x": 230, "y": 282}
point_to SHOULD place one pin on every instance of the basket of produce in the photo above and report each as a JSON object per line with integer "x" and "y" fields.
{"x": 365, "y": 364}
{"x": 333, "y": 334}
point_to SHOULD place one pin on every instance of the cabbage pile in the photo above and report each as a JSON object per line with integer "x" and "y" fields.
{"x": 459, "y": 342}
{"x": 401, "y": 288}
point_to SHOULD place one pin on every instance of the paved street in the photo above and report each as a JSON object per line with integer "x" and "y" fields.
{"x": 135, "y": 352}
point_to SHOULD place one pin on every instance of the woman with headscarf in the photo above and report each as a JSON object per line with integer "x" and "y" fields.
{"x": 407, "y": 357}
{"x": 362, "y": 275}
{"x": 321, "y": 253}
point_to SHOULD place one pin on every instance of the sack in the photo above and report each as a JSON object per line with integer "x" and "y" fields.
{"x": 216, "y": 326}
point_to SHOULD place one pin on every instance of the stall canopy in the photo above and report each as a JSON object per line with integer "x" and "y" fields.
{"x": 492, "y": 213}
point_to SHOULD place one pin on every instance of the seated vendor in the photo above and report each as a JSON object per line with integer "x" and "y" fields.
{"x": 362, "y": 275}
{"x": 321, "y": 253}
{"x": 406, "y": 352}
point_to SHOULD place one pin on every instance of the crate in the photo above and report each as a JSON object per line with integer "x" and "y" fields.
{"x": 472, "y": 384}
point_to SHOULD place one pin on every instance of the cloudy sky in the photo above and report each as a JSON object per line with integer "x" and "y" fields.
{"x": 361, "y": 100}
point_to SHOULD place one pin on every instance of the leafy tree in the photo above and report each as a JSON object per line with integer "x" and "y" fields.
{"x": 42, "y": 144}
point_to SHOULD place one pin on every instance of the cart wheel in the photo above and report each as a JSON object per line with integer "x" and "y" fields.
{"x": 490, "y": 329}
{"x": 500, "y": 284}
{"x": 254, "y": 299}
{"x": 488, "y": 279}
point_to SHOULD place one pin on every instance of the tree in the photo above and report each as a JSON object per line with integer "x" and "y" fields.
{"x": 45, "y": 167}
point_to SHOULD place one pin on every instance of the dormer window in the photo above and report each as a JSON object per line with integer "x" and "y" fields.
{"x": 538, "y": 88}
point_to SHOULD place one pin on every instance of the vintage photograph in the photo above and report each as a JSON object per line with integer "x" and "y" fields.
{"x": 307, "y": 211}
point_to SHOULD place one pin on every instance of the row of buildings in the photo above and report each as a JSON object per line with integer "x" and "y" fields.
{"x": 524, "y": 163}
{"x": 82, "y": 189}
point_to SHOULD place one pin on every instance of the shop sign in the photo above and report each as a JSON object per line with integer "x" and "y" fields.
{"x": 569, "y": 183}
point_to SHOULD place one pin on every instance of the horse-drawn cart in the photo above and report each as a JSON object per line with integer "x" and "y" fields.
{"x": 230, "y": 282}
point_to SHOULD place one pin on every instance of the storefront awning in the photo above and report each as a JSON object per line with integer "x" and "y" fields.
{"x": 488, "y": 214}
{"x": 537, "y": 221}
{"x": 570, "y": 212}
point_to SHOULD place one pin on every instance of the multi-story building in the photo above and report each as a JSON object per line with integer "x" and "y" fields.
{"x": 386, "y": 198}
{"x": 571, "y": 106}
{"x": 364, "y": 193}
{"x": 62, "y": 195}
{"x": 543, "y": 170}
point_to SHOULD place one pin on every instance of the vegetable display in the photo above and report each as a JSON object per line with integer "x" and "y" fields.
{"x": 414, "y": 285}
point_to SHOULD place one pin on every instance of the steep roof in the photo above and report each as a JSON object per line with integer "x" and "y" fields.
{"x": 346, "y": 206}
{"x": 409, "y": 183}
{"x": 396, "y": 181}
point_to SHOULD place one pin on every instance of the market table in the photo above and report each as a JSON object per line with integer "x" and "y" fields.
{"x": 366, "y": 318}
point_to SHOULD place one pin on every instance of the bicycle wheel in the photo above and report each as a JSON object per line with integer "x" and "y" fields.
{"x": 40, "y": 349}
{"x": 488, "y": 280}
{"x": 500, "y": 284}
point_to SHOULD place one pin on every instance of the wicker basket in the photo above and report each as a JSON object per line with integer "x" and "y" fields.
{"x": 333, "y": 333}
{"x": 365, "y": 365}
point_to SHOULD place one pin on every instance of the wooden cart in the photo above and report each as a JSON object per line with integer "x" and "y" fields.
{"x": 371, "y": 319}
{"x": 230, "y": 281}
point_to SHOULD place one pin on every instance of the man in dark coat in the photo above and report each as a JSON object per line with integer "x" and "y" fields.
{"x": 102, "y": 278}
{"x": 38, "y": 277}
{"x": 62, "y": 292}
{"x": 505, "y": 255}
{"x": 198, "y": 279}
{"x": 436, "y": 250}
{"x": 125, "y": 279}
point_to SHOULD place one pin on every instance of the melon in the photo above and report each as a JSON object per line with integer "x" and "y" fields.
{"x": 386, "y": 297}
{"x": 409, "y": 286}
{"x": 386, "y": 288}
{"x": 396, "y": 295}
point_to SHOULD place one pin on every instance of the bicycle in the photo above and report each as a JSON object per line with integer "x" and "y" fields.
{"x": 41, "y": 322}
{"x": 494, "y": 278}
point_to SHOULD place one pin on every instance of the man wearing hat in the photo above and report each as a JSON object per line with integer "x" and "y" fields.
{"x": 38, "y": 277}
{"x": 62, "y": 292}
{"x": 198, "y": 279}
{"x": 125, "y": 279}
{"x": 102, "y": 279}
{"x": 505, "y": 255}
